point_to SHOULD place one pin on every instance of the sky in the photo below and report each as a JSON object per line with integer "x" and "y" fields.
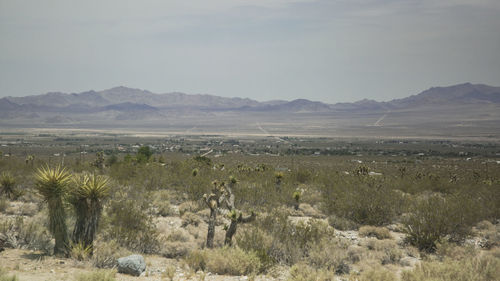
{"x": 325, "y": 50}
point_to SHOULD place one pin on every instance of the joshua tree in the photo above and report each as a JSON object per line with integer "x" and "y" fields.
{"x": 8, "y": 185}
{"x": 52, "y": 184}
{"x": 235, "y": 216}
{"x": 30, "y": 159}
{"x": 213, "y": 201}
{"x": 279, "y": 178}
{"x": 87, "y": 197}
{"x": 296, "y": 196}
{"x": 99, "y": 160}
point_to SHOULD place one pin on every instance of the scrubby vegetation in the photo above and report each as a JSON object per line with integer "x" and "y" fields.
{"x": 308, "y": 217}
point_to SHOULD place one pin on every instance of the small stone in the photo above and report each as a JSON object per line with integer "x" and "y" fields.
{"x": 52, "y": 271}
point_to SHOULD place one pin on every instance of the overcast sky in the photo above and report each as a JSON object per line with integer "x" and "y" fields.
{"x": 326, "y": 50}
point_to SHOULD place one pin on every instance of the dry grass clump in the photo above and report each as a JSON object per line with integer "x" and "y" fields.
{"x": 385, "y": 251}
{"x": 28, "y": 233}
{"x": 106, "y": 253}
{"x": 490, "y": 233}
{"x": 375, "y": 274}
{"x": 188, "y": 206}
{"x": 174, "y": 250}
{"x": 304, "y": 272}
{"x": 446, "y": 249}
{"x": 374, "y": 231}
{"x": 4, "y": 204}
{"x": 161, "y": 203}
{"x": 189, "y": 218}
{"x": 99, "y": 275}
{"x": 341, "y": 223}
{"x": 484, "y": 267}
{"x": 232, "y": 261}
{"x": 331, "y": 254}
{"x": 4, "y": 275}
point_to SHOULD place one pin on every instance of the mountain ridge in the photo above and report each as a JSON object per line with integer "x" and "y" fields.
{"x": 460, "y": 93}
{"x": 458, "y": 110}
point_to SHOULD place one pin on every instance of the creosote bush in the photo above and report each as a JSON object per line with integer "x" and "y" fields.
{"x": 434, "y": 218}
{"x": 129, "y": 220}
{"x": 362, "y": 200}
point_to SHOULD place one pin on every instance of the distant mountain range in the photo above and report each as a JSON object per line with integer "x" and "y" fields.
{"x": 122, "y": 106}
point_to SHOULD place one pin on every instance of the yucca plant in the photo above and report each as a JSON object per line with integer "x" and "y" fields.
{"x": 87, "y": 197}
{"x": 8, "y": 185}
{"x": 296, "y": 196}
{"x": 52, "y": 184}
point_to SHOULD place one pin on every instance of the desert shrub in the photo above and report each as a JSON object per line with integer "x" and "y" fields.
{"x": 291, "y": 241}
{"x": 99, "y": 275}
{"x": 480, "y": 268}
{"x": 385, "y": 251}
{"x": 8, "y": 186}
{"x": 178, "y": 235}
{"x": 162, "y": 204}
{"x": 331, "y": 254}
{"x": 303, "y": 272}
{"x": 363, "y": 201}
{"x": 341, "y": 223}
{"x": 446, "y": 249}
{"x": 373, "y": 231}
{"x": 375, "y": 274}
{"x": 130, "y": 222}
{"x": 301, "y": 175}
{"x": 189, "y": 218}
{"x": 106, "y": 253}
{"x": 4, "y": 275}
{"x": 176, "y": 249}
{"x": 431, "y": 219}
{"x": 4, "y": 204}
{"x": 254, "y": 239}
{"x": 29, "y": 233}
{"x": 189, "y": 206}
{"x": 232, "y": 261}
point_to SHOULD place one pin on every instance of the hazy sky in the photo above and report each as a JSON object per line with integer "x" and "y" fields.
{"x": 327, "y": 50}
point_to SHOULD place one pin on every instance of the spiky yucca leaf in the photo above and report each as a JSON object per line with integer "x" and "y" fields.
{"x": 93, "y": 187}
{"x": 52, "y": 182}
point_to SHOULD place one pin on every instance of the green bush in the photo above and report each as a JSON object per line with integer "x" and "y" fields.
{"x": 362, "y": 200}
{"x": 232, "y": 261}
{"x": 291, "y": 241}
{"x": 432, "y": 219}
{"x": 129, "y": 220}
